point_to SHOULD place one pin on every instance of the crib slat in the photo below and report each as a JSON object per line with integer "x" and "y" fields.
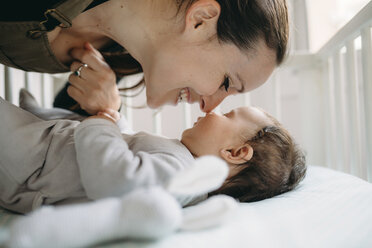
{"x": 353, "y": 111}
{"x": 367, "y": 84}
{"x": 27, "y": 81}
{"x": 327, "y": 114}
{"x": 129, "y": 101}
{"x": 47, "y": 90}
{"x": 338, "y": 111}
{"x": 247, "y": 99}
{"x": 43, "y": 94}
{"x": 127, "y": 110}
{"x": 278, "y": 98}
{"x": 8, "y": 84}
{"x": 34, "y": 85}
{"x": 187, "y": 116}
{"x": 332, "y": 114}
{"x": 345, "y": 112}
{"x": 157, "y": 122}
{"x": 2, "y": 81}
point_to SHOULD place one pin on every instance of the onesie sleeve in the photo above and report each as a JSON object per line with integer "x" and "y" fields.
{"x": 109, "y": 168}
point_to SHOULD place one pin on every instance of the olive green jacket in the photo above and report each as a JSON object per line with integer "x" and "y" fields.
{"x": 24, "y": 44}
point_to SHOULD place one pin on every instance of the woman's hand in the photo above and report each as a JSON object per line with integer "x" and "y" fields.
{"x": 95, "y": 88}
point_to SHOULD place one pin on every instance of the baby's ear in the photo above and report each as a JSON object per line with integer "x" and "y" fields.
{"x": 237, "y": 155}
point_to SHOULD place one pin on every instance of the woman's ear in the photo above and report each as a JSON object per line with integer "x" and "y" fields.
{"x": 201, "y": 18}
{"x": 237, "y": 155}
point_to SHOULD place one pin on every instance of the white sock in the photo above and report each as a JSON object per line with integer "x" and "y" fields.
{"x": 142, "y": 214}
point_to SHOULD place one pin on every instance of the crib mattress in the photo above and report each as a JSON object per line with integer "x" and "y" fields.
{"x": 329, "y": 209}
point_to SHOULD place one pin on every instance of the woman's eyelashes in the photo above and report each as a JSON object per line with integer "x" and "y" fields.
{"x": 226, "y": 83}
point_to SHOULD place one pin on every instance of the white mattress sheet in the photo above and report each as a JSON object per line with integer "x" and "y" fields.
{"x": 329, "y": 209}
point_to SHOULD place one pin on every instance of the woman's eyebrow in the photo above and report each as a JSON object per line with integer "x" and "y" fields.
{"x": 242, "y": 90}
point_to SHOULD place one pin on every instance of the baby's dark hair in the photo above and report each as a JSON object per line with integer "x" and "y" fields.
{"x": 277, "y": 166}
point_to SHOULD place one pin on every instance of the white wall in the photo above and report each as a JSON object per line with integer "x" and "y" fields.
{"x": 326, "y": 17}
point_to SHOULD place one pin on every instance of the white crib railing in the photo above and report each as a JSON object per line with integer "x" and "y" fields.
{"x": 42, "y": 86}
{"x": 324, "y": 99}
{"x": 347, "y": 66}
{"x": 335, "y": 97}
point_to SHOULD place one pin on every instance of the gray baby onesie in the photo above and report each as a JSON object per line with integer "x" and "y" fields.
{"x": 57, "y": 161}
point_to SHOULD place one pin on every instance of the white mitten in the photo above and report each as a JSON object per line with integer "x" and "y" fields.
{"x": 142, "y": 214}
{"x": 208, "y": 174}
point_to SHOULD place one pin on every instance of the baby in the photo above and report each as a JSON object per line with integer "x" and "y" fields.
{"x": 263, "y": 158}
{"x": 62, "y": 161}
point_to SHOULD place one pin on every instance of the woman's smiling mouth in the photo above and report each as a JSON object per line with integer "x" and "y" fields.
{"x": 184, "y": 95}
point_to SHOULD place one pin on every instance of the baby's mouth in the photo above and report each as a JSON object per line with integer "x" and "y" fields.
{"x": 184, "y": 95}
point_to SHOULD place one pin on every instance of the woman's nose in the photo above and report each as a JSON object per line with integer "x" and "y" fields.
{"x": 208, "y": 103}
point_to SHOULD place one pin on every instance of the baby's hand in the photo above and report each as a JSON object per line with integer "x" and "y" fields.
{"x": 93, "y": 86}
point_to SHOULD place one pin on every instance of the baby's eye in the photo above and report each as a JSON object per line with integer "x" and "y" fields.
{"x": 226, "y": 83}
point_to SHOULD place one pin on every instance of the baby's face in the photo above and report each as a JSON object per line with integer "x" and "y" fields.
{"x": 213, "y": 132}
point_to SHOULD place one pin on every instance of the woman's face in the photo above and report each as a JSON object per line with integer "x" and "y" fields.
{"x": 197, "y": 73}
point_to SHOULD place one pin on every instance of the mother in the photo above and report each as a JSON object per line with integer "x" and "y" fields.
{"x": 204, "y": 50}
